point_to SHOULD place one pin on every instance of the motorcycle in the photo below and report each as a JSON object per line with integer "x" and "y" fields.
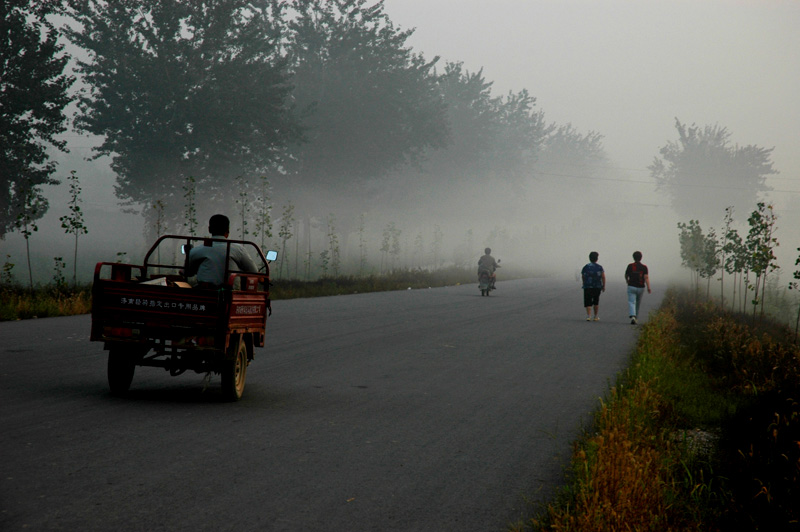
{"x": 486, "y": 280}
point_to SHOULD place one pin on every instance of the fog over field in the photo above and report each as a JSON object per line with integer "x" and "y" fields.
{"x": 623, "y": 69}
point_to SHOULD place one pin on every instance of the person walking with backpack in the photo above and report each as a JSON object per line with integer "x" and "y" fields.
{"x": 594, "y": 282}
{"x": 637, "y": 277}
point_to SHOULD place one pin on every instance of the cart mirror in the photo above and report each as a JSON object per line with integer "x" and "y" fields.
{"x": 272, "y": 255}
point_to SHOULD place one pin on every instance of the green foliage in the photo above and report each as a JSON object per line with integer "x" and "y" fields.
{"x": 72, "y": 223}
{"x": 59, "y": 282}
{"x": 795, "y": 285}
{"x": 34, "y": 91}
{"x": 703, "y": 157}
{"x": 489, "y": 136}
{"x": 178, "y": 88}
{"x": 18, "y": 304}
{"x": 692, "y": 247}
{"x": 324, "y": 258}
{"x": 263, "y": 210}
{"x": 324, "y": 96}
{"x": 7, "y": 275}
{"x": 30, "y": 205}
{"x": 760, "y": 244}
{"x": 367, "y": 102}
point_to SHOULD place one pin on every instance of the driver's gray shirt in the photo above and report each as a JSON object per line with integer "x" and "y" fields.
{"x": 209, "y": 262}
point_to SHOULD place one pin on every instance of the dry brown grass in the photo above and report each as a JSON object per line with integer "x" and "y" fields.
{"x": 623, "y": 473}
{"x": 21, "y": 304}
{"x": 626, "y": 474}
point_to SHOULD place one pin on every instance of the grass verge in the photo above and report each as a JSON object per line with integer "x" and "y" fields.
{"x": 21, "y": 304}
{"x": 701, "y": 432}
{"x": 17, "y": 303}
{"x": 398, "y": 280}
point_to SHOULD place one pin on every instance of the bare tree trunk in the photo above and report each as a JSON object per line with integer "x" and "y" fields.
{"x": 75, "y": 263}
{"x": 30, "y": 272}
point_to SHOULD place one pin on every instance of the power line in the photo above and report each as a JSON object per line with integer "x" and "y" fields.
{"x": 635, "y": 181}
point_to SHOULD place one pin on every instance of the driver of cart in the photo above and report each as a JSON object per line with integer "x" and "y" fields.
{"x": 207, "y": 263}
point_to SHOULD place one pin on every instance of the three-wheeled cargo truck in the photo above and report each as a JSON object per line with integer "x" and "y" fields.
{"x": 149, "y": 315}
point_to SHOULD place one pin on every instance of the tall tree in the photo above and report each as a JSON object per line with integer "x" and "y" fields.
{"x": 367, "y": 102}
{"x": 565, "y": 150}
{"x": 33, "y": 94}
{"x": 493, "y": 143}
{"x": 183, "y": 88}
{"x": 472, "y": 119}
{"x": 569, "y": 159}
{"x": 703, "y": 173}
{"x": 488, "y": 135}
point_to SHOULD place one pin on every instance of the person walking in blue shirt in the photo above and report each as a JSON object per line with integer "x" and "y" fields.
{"x": 594, "y": 282}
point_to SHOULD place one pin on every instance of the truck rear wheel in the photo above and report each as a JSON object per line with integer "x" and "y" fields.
{"x": 121, "y": 366}
{"x": 234, "y": 370}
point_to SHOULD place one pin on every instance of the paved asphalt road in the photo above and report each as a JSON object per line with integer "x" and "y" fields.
{"x": 420, "y": 410}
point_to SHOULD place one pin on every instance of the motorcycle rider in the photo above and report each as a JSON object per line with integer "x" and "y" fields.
{"x": 487, "y": 263}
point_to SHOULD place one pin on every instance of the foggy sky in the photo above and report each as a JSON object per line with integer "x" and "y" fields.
{"x": 628, "y": 68}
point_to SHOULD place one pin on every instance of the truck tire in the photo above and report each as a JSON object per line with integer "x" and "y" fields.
{"x": 234, "y": 370}
{"x": 121, "y": 366}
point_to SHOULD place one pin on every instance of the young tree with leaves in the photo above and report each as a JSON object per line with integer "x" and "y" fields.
{"x": 59, "y": 282}
{"x": 30, "y": 205}
{"x": 7, "y": 275}
{"x": 709, "y": 262}
{"x": 692, "y": 244}
{"x": 795, "y": 285}
{"x": 34, "y": 92}
{"x": 760, "y": 244}
{"x": 73, "y": 222}
{"x": 723, "y": 252}
{"x": 735, "y": 264}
